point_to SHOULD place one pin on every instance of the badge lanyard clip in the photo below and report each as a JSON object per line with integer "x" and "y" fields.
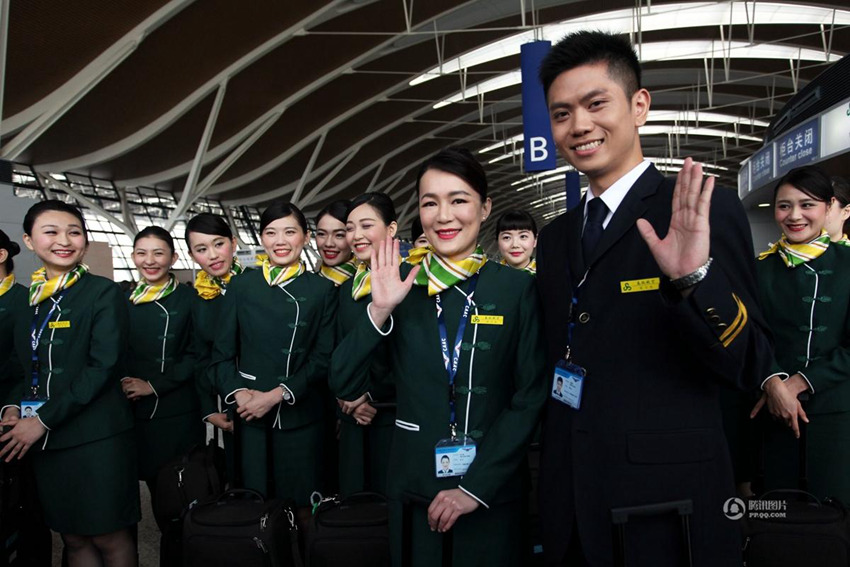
{"x": 451, "y": 360}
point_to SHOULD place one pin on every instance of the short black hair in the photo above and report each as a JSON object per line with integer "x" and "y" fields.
{"x": 338, "y": 210}
{"x": 281, "y": 209}
{"x": 841, "y": 190}
{"x": 516, "y": 219}
{"x": 589, "y": 47}
{"x": 53, "y": 205}
{"x": 378, "y": 201}
{"x": 809, "y": 179}
{"x": 416, "y": 229}
{"x": 156, "y": 232}
{"x": 460, "y": 162}
{"x": 12, "y": 248}
{"x": 208, "y": 223}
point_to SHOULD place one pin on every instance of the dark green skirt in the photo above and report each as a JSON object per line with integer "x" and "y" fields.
{"x": 486, "y": 538}
{"x": 352, "y": 452}
{"x": 297, "y": 461}
{"x": 91, "y": 489}
{"x": 160, "y": 440}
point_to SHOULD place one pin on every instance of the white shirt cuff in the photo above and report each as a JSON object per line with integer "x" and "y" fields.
{"x": 474, "y": 496}
{"x": 782, "y": 376}
{"x": 4, "y": 408}
{"x": 291, "y": 400}
{"x": 811, "y": 388}
{"x": 230, "y": 399}
{"x": 380, "y": 332}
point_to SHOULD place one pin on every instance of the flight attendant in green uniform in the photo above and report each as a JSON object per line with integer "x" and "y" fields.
{"x": 366, "y": 432}
{"x": 517, "y": 238}
{"x": 465, "y": 348}
{"x": 338, "y": 264}
{"x": 805, "y": 292}
{"x": 838, "y": 212}
{"x": 13, "y": 301}
{"x": 213, "y": 247}
{"x": 160, "y": 362}
{"x": 271, "y": 354}
{"x": 71, "y": 342}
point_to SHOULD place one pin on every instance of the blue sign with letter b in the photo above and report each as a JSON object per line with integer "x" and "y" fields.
{"x": 539, "y": 148}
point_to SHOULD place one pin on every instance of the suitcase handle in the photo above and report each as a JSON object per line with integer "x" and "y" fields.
{"x": 791, "y": 491}
{"x": 241, "y": 494}
{"x": 620, "y": 517}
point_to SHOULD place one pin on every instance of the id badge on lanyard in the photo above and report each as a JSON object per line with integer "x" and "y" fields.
{"x": 454, "y": 455}
{"x": 568, "y": 378}
{"x": 33, "y": 402}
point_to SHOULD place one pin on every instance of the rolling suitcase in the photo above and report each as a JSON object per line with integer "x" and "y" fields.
{"x": 242, "y": 528}
{"x": 803, "y": 530}
{"x": 620, "y": 518}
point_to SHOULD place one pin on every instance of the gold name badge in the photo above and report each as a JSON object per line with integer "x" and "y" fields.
{"x": 488, "y": 320}
{"x": 60, "y": 325}
{"x": 647, "y": 284}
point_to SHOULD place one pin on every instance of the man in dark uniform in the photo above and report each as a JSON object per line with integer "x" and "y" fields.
{"x": 660, "y": 300}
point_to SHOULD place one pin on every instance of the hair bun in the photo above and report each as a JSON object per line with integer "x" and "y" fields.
{"x": 13, "y": 249}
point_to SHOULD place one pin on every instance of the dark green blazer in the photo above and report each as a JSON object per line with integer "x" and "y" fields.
{"x": 205, "y": 315}
{"x": 12, "y": 304}
{"x": 81, "y": 364}
{"x": 811, "y": 301}
{"x": 160, "y": 351}
{"x": 500, "y": 383}
{"x": 379, "y": 381}
{"x": 268, "y": 336}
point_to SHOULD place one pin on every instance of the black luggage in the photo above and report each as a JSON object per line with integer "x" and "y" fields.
{"x": 793, "y": 527}
{"x": 352, "y": 530}
{"x": 242, "y": 528}
{"x": 620, "y": 518}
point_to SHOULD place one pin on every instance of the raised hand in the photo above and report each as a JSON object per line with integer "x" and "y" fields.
{"x": 388, "y": 289}
{"x": 686, "y": 246}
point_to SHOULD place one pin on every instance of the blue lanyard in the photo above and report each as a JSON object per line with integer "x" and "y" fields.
{"x": 452, "y": 360}
{"x": 572, "y": 315}
{"x": 36, "y": 339}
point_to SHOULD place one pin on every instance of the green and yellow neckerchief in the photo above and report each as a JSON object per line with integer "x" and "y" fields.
{"x": 844, "y": 241}
{"x": 796, "y": 254}
{"x": 439, "y": 273}
{"x": 147, "y": 293}
{"x": 339, "y": 274}
{"x": 41, "y": 288}
{"x": 531, "y": 268}
{"x": 276, "y": 275}
{"x": 6, "y": 284}
{"x": 210, "y": 287}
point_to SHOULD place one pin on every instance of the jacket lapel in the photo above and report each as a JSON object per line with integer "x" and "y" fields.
{"x": 630, "y": 210}
{"x": 575, "y": 223}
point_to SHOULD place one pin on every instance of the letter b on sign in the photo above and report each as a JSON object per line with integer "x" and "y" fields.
{"x": 538, "y": 149}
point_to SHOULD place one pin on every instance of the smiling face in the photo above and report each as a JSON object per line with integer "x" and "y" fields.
{"x": 331, "y": 241}
{"x": 284, "y": 239}
{"x": 800, "y": 217}
{"x": 516, "y": 247}
{"x": 365, "y": 228}
{"x": 451, "y": 212}
{"x": 594, "y": 123}
{"x": 153, "y": 258}
{"x": 212, "y": 252}
{"x": 58, "y": 240}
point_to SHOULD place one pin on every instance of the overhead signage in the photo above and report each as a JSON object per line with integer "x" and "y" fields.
{"x": 798, "y": 147}
{"x": 540, "y": 154}
{"x": 835, "y": 130}
{"x": 761, "y": 167}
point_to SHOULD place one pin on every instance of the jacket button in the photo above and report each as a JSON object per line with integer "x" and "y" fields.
{"x": 710, "y": 311}
{"x": 714, "y": 318}
{"x": 584, "y": 317}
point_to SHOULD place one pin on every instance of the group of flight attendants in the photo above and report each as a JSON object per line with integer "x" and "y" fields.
{"x": 406, "y": 363}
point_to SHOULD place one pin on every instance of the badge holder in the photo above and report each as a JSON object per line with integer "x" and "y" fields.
{"x": 453, "y": 456}
{"x": 568, "y": 382}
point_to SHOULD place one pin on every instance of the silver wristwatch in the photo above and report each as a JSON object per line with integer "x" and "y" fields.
{"x": 693, "y": 278}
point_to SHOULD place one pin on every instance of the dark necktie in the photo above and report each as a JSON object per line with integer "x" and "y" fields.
{"x": 596, "y": 213}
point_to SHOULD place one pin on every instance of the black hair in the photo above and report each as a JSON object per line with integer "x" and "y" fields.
{"x": 841, "y": 190}
{"x": 516, "y": 219}
{"x": 208, "y": 223}
{"x": 589, "y": 47}
{"x": 460, "y": 162}
{"x": 156, "y": 232}
{"x": 53, "y": 205}
{"x": 338, "y": 210}
{"x": 378, "y": 201}
{"x": 809, "y": 179}
{"x": 416, "y": 229}
{"x": 12, "y": 248}
{"x": 281, "y": 209}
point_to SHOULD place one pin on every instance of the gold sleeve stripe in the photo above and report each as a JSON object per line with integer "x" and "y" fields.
{"x": 738, "y": 317}
{"x": 743, "y": 310}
